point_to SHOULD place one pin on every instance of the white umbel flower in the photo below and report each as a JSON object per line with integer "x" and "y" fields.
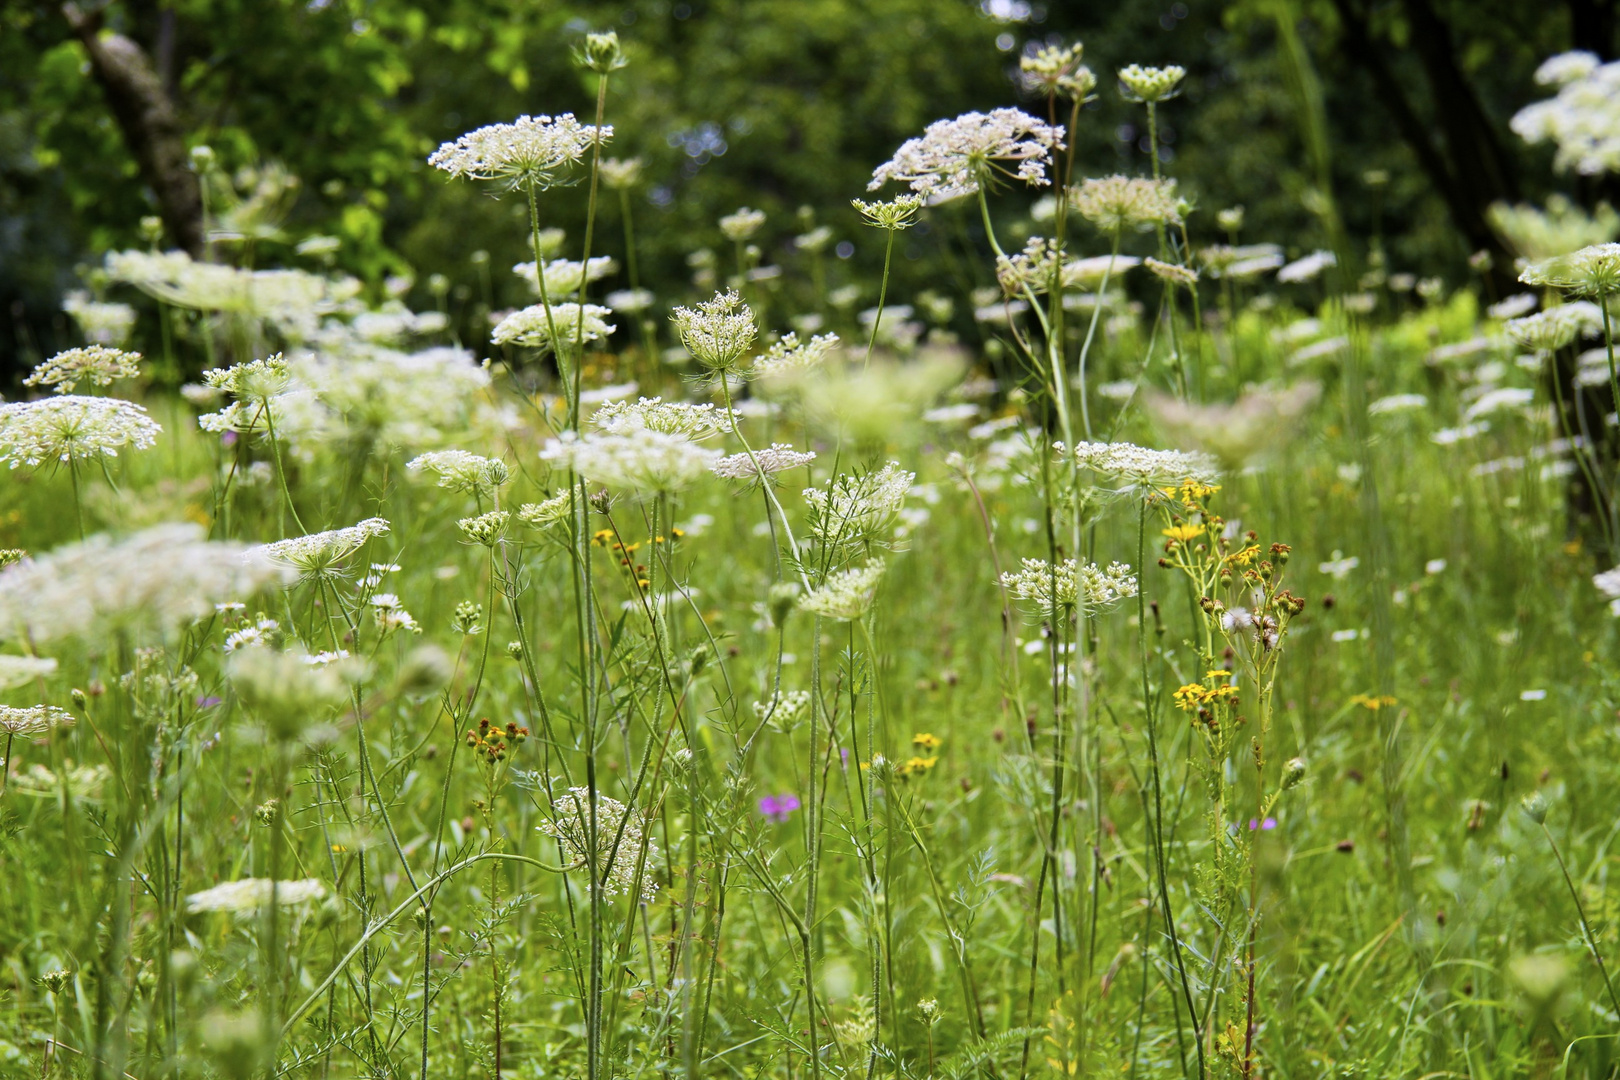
{"x": 639, "y": 460}
{"x": 1116, "y": 203}
{"x": 102, "y": 323}
{"x": 1608, "y": 583}
{"x": 15, "y": 671}
{"x": 531, "y": 151}
{"x": 717, "y": 332}
{"x": 157, "y": 579}
{"x": 1593, "y": 271}
{"x": 553, "y": 511}
{"x": 32, "y": 720}
{"x": 95, "y": 364}
{"x": 953, "y": 158}
{"x": 616, "y": 839}
{"x": 742, "y": 225}
{"x": 856, "y": 508}
{"x": 1307, "y": 267}
{"x": 323, "y": 553}
{"x": 72, "y": 428}
{"x": 1583, "y": 120}
{"x": 1141, "y": 466}
{"x": 530, "y": 326}
{"x": 460, "y": 470}
{"x": 563, "y": 276}
{"x": 1052, "y": 588}
{"x": 253, "y": 894}
{"x": 789, "y": 355}
{"x": 695, "y": 422}
{"x": 846, "y": 595}
{"x": 764, "y": 464}
{"x": 1151, "y": 83}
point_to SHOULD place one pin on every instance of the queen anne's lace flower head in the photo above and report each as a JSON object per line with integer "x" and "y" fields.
{"x": 1143, "y": 467}
{"x": 1055, "y": 69}
{"x": 717, "y": 332}
{"x": 460, "y": 470}
{"x": 1115, "y": 203}
{"x": 72, "y": 428}
{"x": 95, "y": 364}
{"x": 639, "y": 460}
{"x": 615, "y": 841}
{"x": 249, "y": 895}
{"x": 846, "y": 595}
{"x": 530, "y": 326}
{"x": 1174, "y": 273}
{"x": 1583, "y": 120}
{"x": 1551, "y": 330}
{"x": 893, "y": 214}
{"x": 620, "y": 175}
{"x": 697, "y": 422}
{"x": 485, "y": 530}
{"x": 1151, "y": 83}
{"x": 33, "y": 720}
{"x": 323, "y": 553}
{"x": 764, "y": 464}
{"x": 788, "y": 354}
{"x": 855, "y": 508}
{"x": 563, "y": 275}
{"x": 954, "y": 158}
{"x": 17, "y": 670}
{"x": 1033, "y": 270}
{"x": 1058, "y": 588}
{"x": 1593, "y": 271}
{"x": 102, "y": 323}
{"x": 553, "y": 511}
{"x": 743, "y": 224}
{"x": 532, "y": 151}
{"x": 1307, "y": 267}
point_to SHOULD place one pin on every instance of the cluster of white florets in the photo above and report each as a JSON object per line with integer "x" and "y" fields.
{"x": 1583, "y": 119}
{"x": 954, "y": 158}
{"x": 1052, "y": 588}
{"x": 531, "y": 151}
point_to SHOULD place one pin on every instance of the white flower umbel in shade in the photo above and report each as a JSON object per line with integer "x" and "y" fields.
{"x": 1608, "y": 583}
{"x": 553, "y": 511}
{"x": 1307, "y": 267}
{"x": 789, "y": 355}
{"x": 460, "y": 470}
{"x": 532, "y": 151}
{"x": 32, "y": 720}
{"x": 742, "y": 225}
{"x": 891, "y": 215}
{"x": 1550, "y": 330}
{"x": 101, "y": 323}
{"x": 321, "y": 554}
{"x": 563, "y": 275}
{"x": 1397, "y": 403}
{"x": 1143, "y": 467}
{"x": 640, "y": 460}
{"x": 1033, "y": 270}
{"x": 846, "y": 595}
{"x": 16, "y": 671}
{"x": 485, "y": 530}
{"x": 530, "y": 326}
{"x": 853, "y": 508}
{"x": 1055, "y": 69}
{"x": 1583, "y": 120}
{"x": 620, "y": 175}
{"x": 250, "y": 895}
{"x": 764, "y": 464}
{"x": 1053, "y": 588}
{"x": 1593, "y": 271}
{"x": 1116, "y": 203}
{"x": 954, "y": 158}
{"x": 616, "y": 841}
{"x": 158, "y": 579}
{"x": 70, "y": 428}
{"x": 257, "y": 385}
{"x": 696, "y": 422}
{"x": 717, "y": 332}
{"x": 1150, "y": 83}
{"x": 93, "y": 364}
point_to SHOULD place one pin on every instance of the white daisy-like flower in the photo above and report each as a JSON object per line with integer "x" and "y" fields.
{"x": 95, "y": 364}
{"x": 846, "y": 595}
{"x": 531, "y": 151}
{"x": 72, "y": 428}
{"x": 253, "y": 894}
{"x": 953, "y": 158}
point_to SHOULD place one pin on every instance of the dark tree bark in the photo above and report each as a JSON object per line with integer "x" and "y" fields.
{"x": 150, "y": 125}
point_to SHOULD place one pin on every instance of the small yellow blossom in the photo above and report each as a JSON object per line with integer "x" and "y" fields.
{"x": 1180, "y": 534}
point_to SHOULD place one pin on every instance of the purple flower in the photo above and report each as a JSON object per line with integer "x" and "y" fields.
{"x": 1269, "y": 823}
{"x": 207, "y": 702}
{"x": 778, "y": 807}
{"x": 228, "y": 438}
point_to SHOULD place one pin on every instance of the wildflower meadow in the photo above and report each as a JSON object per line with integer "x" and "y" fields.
{"x": 1022, "y": 616}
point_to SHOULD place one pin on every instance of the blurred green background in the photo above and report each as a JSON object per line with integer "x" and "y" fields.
{"x": 775, "y": 104}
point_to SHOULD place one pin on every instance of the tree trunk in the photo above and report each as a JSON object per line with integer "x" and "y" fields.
{"x": 150, "y": 124}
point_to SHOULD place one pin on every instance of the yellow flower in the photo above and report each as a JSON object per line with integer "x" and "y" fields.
{"x": 1182, "y": 533}
{"x": 1367, "y": 701}
{"x": 1245, "y": 556}
{"x": 1190, "y": 697}
{"x": 1193, "y": 491}
{"x": 918, "y": 765}
{"x": 925, "y": 741}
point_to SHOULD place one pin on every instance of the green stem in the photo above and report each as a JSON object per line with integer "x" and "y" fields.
{"x": 883, "y": 294}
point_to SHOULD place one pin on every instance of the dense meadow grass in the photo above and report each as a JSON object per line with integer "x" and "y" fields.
{"x": 543, "y": 740}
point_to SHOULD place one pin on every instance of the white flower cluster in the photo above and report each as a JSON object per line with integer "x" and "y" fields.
{"x": 854, "y": 508}
{"x": 1151, "y": 83}
{"x": 249, "y": 895}
{"x": 385, "y": 396}
{"x": 552, "y": 511}
{"x": 788, "y": 354}
{"x": 696, "y": 422}
{"x": 1307, "y": 267}
{"x": 1054, "y": 588}
{"x": 391, "y": 614}
{"x": 532, "y": 327}
{"x": 1583, "y": 119}
{"x": 33, "y": 720}
{"x": 1034, "y": 269}
{"x": 17, "y": 670}
{"x": 766, "y": 463}
{"x": 1116, "y": 203}
{"x": 72, "y": 428}
{"x": 716, "y": 332}
{"x": 1592, "y": 271}
{"x": 162, "y": 577}
{"x": 742, "y": 225}
{"x": 460, "y": 470}
{"x": 485, "y": 530}
{"x": 1551, "y": 330}
{"x": 640, "y": 460}
{"x": 953, "y": 158}
{"x": 1139, "y": 465}
{"x": 846, "y": 595}
{"x": 96, "y": 364}
{"x": 290, "y": 300}
{"x": 1608, "y": 583}
{"x": 321, "y": 554}
{"x": 616, "y": 840}
{"x": 531, "y": 151}
{"x": 565, "y": 275}
{"x": 102, "y": 323}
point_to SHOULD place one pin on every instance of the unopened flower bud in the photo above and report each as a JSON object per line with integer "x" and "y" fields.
{"x": 1535, "y": 807}
{"x": 601, "y": 53}
{"x": 1293, "y": 772}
